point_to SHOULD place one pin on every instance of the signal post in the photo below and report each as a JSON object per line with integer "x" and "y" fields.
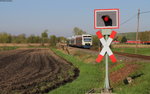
{"x": 106, "y": 20}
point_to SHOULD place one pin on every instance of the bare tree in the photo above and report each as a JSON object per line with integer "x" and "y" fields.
{"x": 78, "y": 31}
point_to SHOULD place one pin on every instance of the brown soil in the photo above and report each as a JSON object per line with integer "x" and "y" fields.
{"x": 33, "y": 71}
{"x": 121, "y": 74}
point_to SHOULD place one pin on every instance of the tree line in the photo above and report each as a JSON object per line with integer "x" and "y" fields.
{"x": 22, "y": 38}
{"x": 52, "y": 39}
{"x": 43, "y": 38}
{"x": 144, "y": 36}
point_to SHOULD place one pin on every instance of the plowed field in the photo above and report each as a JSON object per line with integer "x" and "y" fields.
{"x": 33, "y": 71}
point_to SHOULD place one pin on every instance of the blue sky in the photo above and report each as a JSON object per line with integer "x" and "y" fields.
{"x": 61, "y": 16}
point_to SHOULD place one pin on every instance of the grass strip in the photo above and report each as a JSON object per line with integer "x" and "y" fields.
{"x": 141, "y": 83}
{"x": 141, "y": 51}
{"x": 6, "y": 48}
{"x": 90, "y": 76}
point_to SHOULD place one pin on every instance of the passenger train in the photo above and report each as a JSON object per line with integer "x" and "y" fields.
{"x": 84, "y": 40}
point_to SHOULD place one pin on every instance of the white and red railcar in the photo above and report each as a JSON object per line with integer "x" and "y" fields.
{"x": 84, "y": 40}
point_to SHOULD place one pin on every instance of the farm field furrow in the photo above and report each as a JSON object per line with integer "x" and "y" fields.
{"x": 30, "y": 71}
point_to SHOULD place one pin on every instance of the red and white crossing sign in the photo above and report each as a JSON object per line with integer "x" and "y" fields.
{"x": 106, "y": 44}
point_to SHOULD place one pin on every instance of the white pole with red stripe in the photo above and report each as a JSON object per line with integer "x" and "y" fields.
{"x": 106, "y": 51}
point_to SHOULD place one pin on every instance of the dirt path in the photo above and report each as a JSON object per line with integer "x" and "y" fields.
{"x": 28, "y": 71}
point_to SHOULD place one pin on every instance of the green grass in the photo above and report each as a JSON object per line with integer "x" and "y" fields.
{"x": 142, "y": 51}
{"x": 6, "y": 48}
{"x": 117, "y": 67}
{"x": 141, "y": 85}
{"x": 91, "y": 76}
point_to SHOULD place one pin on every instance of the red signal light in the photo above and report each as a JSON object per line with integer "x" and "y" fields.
{"x": 106, "y": 19}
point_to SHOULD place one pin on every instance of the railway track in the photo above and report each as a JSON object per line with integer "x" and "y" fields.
{"x": 117, "y": 53}
{"x": 133, "y": 55}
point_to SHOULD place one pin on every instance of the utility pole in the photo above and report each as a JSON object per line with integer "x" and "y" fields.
{"x": 138, "y": 18}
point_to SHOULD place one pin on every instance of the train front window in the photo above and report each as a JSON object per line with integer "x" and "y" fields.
{"x": 87, "y": 39}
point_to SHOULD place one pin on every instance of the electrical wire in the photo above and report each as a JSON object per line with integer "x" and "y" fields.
{"x": 145, "y": 12}
{"x": 129, "y": 19}
{"x": 133, "y": 17}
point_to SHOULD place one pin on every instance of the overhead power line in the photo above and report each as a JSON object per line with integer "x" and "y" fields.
{"x": 133, "y": 17}
{"x": 145, "y": 12}
{"x": 129, "y": 19}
